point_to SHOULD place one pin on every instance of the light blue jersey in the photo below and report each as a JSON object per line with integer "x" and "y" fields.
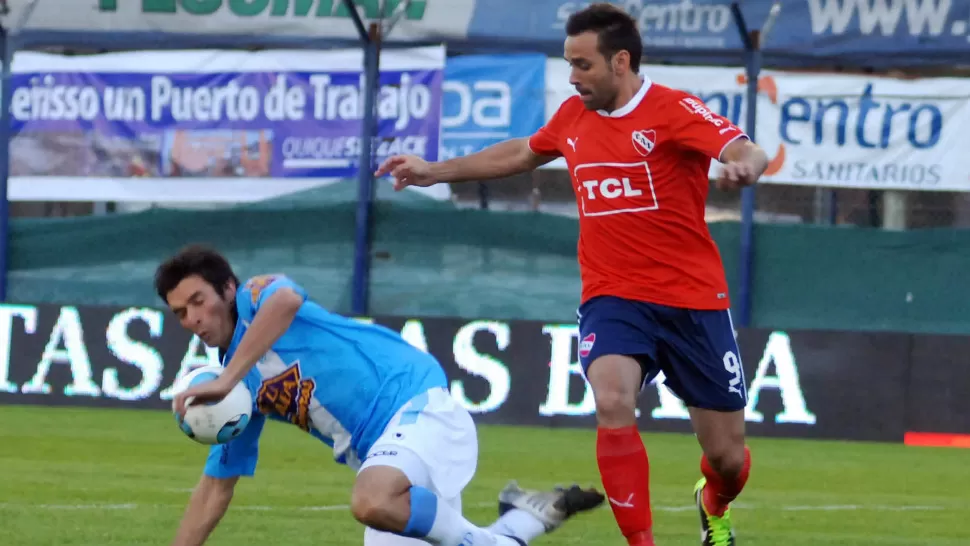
{"x": 336, "y": 378}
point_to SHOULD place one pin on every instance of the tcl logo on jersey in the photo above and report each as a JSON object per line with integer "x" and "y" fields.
{"x": 611, "y": 188}
{"x": 695, "y": 106}
{"x": 614, "y": 188}
{"x": 643, "y": 141}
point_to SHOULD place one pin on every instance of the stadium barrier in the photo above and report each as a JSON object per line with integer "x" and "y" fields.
{"x": 809, "y": 384}
{"x": 486, "y": 263}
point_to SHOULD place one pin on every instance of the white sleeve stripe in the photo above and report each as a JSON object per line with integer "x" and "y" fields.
{"x": 555, "y": 153}
{"x": 728, "y": 143}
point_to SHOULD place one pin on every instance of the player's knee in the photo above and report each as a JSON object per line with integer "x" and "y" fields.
{"x": 615, "y": 407}
{"x": 372, "y": 509}
{"x": 379, "y": 499}
{"x": 615, "y": 381}
{"x": 727, "y": 461}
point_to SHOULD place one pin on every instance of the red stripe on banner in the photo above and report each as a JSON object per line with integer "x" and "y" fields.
{"x": 933, "y": 439}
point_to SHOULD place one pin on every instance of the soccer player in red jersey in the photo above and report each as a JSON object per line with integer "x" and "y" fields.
{"x": 654, "y": 296}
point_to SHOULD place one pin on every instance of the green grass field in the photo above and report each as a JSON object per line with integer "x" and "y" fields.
{"x": 79, "y": 477}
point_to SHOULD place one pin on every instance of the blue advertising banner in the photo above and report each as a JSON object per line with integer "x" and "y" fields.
{"x": 871, "y": 33}
{"x": 490, "y": 98}
{"x": 275, "y": 115}
{"x": 914, "y": 32}
{"x": 876, "y": 33}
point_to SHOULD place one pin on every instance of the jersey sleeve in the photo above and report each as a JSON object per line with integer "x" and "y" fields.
{"x": 237, "y": 457}
{"x": 547, "y": 139}
{"x": 258, "y": 289}
{"x": 698, "y": 128}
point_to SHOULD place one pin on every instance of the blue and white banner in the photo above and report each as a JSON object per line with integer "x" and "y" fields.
{"x": 868, "y": 32}
{"x": 833, "y": 130}
{"x": 490, "y": 98}
{"x": 251, "y": 124}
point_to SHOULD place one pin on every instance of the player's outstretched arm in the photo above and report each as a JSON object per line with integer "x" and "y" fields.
{"x": 208, "y": 504}
{"x": 744, "y": 163}
{"x": 506, "y": 158}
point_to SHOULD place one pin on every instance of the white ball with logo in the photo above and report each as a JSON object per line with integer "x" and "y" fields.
{"x": 219, "y": 422}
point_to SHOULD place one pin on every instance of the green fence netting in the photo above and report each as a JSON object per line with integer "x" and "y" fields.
{"x": 431, "y": 258}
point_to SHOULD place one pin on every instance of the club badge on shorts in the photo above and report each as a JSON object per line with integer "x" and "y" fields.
{"x": 586, "y": 345}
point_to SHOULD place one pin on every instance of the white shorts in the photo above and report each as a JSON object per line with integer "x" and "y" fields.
{"x": 434, "y": 442}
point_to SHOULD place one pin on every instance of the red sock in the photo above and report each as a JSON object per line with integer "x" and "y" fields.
{"x": 625, "y": 471}
{"x": 718, "y": 492}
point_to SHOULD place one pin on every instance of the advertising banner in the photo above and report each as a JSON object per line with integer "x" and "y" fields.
{"x": 887, "y": 33}
{"x": 256, "y": 20}
{"x": 801, "y": 384}
{"x": 832, "y": 130}
{"x": 490, "y": 98}
{"x": 116, "y": 126}
{"x": 884, "y": 33}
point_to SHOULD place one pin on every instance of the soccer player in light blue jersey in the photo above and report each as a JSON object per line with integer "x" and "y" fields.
{"x": 380, "y": 403}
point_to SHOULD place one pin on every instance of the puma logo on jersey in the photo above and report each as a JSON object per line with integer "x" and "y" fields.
{"x": 572, "y": 142}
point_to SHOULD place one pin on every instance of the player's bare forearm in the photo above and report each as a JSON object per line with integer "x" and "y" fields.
{"x": 506, "y": 158}
{"x": 208, "y": 504}
{"x": 270, "y": 323}
{"x": 748, "y": 159}
{"x": 756, "y": 159}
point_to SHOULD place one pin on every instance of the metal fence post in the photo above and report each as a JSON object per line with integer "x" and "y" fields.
{"x": 370, "y": 39}
{"x": 752, "y": 41}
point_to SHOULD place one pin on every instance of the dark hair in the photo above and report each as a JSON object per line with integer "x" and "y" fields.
{"x": 616, "y": 30}
{"x": 199, "y": 260}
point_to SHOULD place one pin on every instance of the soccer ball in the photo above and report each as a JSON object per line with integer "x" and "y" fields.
{"x": 214, "y": 423}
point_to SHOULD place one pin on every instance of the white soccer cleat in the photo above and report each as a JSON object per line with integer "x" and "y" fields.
{"x": 551, "y": 508}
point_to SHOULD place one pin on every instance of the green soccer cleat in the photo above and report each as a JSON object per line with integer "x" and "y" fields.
{"x": 715, "y": 531}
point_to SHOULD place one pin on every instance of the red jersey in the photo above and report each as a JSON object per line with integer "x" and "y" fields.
{"x": 640, "y": 174}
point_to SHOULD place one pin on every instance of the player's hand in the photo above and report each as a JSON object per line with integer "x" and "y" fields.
{"x": 736, "y": 174}
{"x": 210, "y": 391}
{"x": 407, "y": 170}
